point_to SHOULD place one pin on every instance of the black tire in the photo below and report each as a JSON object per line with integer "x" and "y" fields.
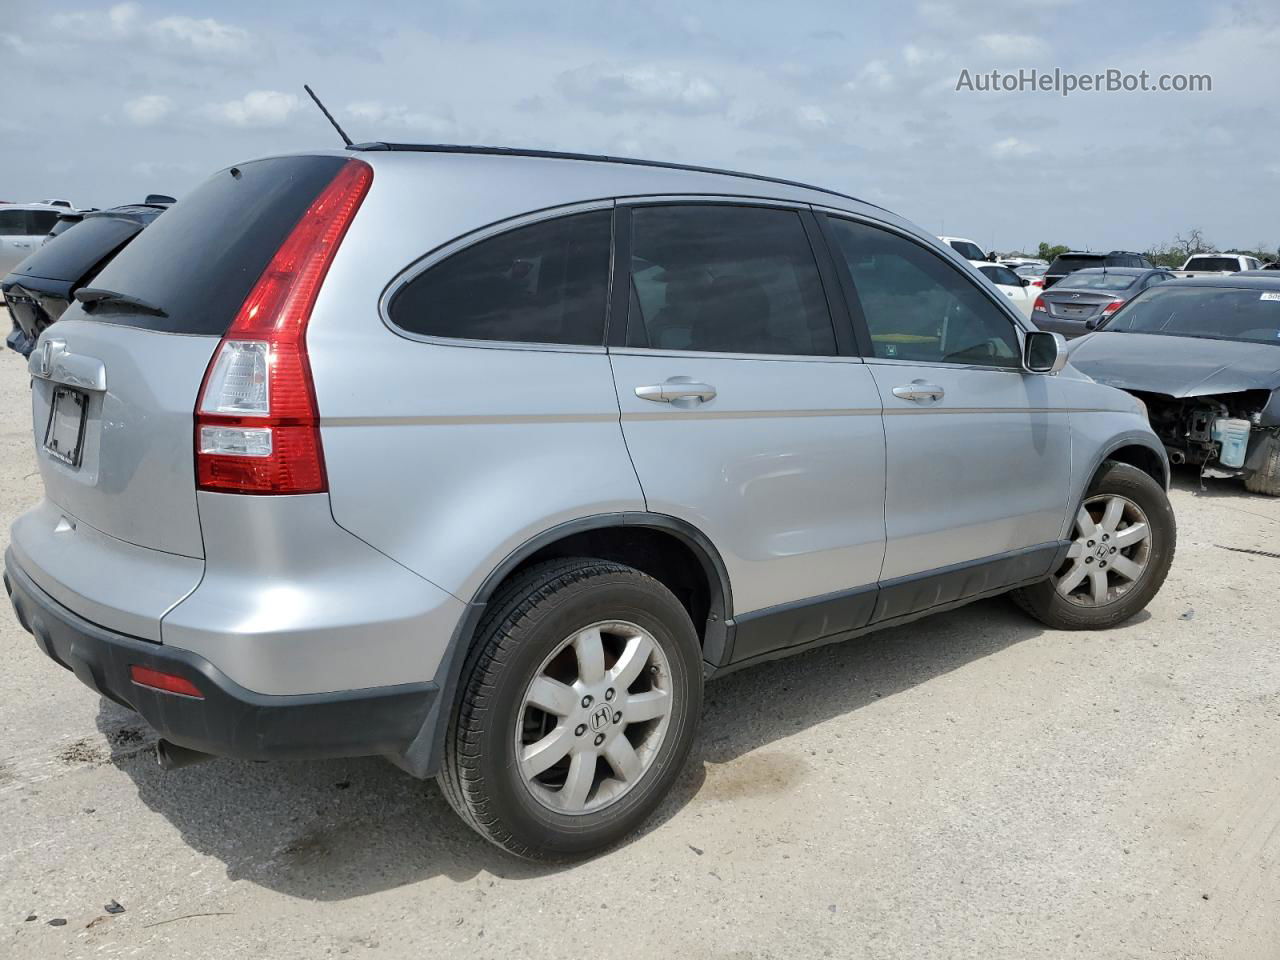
{"x": 1265, "y": 478}
{"x": 525, "y": 622}
{"x": 1043, "y": 601}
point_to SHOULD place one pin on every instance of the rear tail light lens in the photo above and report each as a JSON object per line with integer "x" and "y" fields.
{"x": 1039, "y": 304}
{"x": 1112, "y": 307}
{"x": 165, "y": 682}
{"x": 257, "y": 426}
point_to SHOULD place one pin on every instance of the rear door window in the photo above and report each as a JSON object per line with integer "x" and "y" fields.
{"x": 13, "y": 223}
{"x": 40, "y": 222}
{"x": 541, "y": 283}
{"x": 726, "y": 279}
{"x": 199, "y": 260}
{"x": 1001, "y": 275}
{"x": 917, "y": 306}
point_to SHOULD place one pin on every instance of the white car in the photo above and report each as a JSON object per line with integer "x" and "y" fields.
{"x": 23, "y": 227}
{"x": 1018, "y": 289}
{"x": 966, "y": 248}
{"x": 1007, "y": 282}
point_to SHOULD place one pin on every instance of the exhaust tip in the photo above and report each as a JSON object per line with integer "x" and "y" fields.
{"x": 170, "y": 756}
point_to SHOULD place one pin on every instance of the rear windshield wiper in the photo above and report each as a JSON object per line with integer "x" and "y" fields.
{"x": 91, "y": 296}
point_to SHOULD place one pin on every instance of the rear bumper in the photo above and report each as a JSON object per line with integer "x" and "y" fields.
{"x": 230, "y": 720}
{"x": 1068, "y": 328}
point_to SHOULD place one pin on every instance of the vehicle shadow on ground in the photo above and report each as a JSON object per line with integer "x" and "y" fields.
{"x": 331, "y": 830}
{"x": 1232, "y": 488}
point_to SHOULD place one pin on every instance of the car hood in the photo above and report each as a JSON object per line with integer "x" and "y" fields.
{"x": 1176, "y": 366}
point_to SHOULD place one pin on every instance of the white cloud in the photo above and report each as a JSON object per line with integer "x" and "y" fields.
{"x": 259, "y": 108}
{"x": 205, "y": 38}
{"x": 675, "y": 91}
{"x": 1010, "y": 45}
{"x": 149, "y": 109}
{"x": 812, "y": 118}
{"x": 382, "y": 116}
{"x": 917, "y": 56}
{"x": 874, "y": 76}
{"x": 1013, "y": 147}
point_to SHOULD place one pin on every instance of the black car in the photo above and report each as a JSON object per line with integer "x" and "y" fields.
{"x": 1081, "y": 260}
{"x": 44, "y": 284}
{"x": 1204, "y": 356}
{"x": 1086, "y": 297}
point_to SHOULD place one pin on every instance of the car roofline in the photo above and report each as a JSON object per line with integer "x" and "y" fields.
{"x": 468, "y": 149}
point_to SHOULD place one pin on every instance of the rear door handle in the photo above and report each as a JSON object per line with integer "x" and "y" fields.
{"x": 919, "y": 391}
{"x": 677, "y": 388}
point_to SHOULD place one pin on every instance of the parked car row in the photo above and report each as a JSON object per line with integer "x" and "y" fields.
{"x": 41, "y": 286}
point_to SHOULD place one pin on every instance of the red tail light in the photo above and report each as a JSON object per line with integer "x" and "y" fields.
{"x": 1112, "y": 307}
{"x": 1037, "y": 282}
{"x": 257, "y": 426}
{"x": 1039, "y": 304}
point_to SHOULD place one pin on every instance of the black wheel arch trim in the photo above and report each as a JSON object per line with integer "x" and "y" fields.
{"x": 424, "y": 754}
{"x": 1132, "y": 438}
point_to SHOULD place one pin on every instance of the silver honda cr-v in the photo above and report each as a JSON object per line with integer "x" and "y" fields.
{"x": 486, "y": 460}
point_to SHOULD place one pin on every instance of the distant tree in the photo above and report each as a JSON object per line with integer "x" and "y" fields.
{"x": 1048, "y": 252}
{"x": 1194, "y": 242}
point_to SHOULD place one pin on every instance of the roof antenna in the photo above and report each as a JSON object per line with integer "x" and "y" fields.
{"x": 327, "y": 115}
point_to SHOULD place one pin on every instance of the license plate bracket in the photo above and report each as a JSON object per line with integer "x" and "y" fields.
{"x": 64, "y": 434}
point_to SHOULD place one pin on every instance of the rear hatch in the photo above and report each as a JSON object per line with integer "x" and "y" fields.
{"x": 115, "y": 382}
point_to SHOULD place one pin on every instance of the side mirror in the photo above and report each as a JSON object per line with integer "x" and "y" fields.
{"x": 1026, "y": 282}
{"x": 1044, "y": 352}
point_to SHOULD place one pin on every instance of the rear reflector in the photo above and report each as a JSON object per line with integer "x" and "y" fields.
{"x": 166, "y": 682}
{"x": 257, "y": 425}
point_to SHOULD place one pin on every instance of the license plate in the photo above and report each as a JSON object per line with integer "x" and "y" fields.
{"x": 64, "y": 436}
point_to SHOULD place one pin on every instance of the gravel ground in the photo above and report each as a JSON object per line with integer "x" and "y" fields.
{"x": 972, "y": 785}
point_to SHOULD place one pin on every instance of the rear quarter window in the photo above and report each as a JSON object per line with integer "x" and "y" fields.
{"x": 199, "y": 260}
{"x": 541, "y": 283}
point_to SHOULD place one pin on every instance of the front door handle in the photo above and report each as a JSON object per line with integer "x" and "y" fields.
{"x": 677, "y": 389}
{"x": 919, "y": 391}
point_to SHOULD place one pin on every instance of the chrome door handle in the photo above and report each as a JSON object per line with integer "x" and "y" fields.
{"x": 919, "y": 391}
{"x": 677, "y": 388}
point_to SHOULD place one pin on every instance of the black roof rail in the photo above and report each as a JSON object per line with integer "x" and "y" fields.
{"x": 594, "y": 157}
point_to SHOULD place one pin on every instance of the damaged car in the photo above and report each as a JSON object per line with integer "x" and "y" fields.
{"x": 1204, "y": 356}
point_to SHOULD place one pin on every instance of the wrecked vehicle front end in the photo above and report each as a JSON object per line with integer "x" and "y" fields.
{"x": 1226, "y": 435}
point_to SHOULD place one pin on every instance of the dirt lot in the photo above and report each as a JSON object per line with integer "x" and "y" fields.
{"x": 969, "y": 786}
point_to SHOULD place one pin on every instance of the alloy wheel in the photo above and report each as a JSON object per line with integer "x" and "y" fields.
{"x": 1109, "y": 553}
{"x": 594, "y": 717}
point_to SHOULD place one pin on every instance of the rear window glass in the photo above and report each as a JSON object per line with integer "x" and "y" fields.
{"x": 1231, "y": 264}
{"x": 200, "y": 259}
{"x": 1001, "y": 275}
{"x": 542, "y": 283}
{"x": 1097, "y": 281}
{"x": 75, "y": 252}
{"x": 1069, "y": 264}
{"x": 40, "y": 222}
{"x": 967, "y": 249}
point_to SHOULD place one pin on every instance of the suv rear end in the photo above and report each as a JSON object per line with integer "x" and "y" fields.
{"x": 1077, "y": 260}
{"x": 184, "y": 561}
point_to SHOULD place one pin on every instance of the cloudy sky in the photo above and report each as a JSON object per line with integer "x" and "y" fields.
{"x": 106, "y": 102}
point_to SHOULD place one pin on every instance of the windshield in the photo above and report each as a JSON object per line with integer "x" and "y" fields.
{"x": 967, "y": 249}
{"x": 1227, "y": 264}
{"x": 1088, "y": 280}
{"x": 1219, "y": 313}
